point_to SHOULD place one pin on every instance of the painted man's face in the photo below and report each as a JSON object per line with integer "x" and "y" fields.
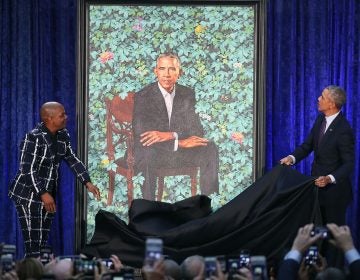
{"x": 167, "y": 72}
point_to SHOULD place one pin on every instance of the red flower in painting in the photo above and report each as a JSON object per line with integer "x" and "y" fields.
{"x": 106, "y": 56}
{"x": 237, "y": 137}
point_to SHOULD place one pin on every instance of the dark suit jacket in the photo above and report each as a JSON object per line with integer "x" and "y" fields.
{"x": 38, "y": 172}
{"x": 354, "y": 269}
{"x": 150, "y": 114}
{"x": 288, "y": 270}
{"x": 335, "y": 156}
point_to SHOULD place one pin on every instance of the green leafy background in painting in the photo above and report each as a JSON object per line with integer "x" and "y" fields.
{"x": 216, "y": 47}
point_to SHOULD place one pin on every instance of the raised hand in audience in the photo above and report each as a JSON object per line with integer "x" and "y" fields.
{"x": 243, "y": 274}
{"x": 303, "y": 239}
{"x": 309, "y": 271}
{"x": 341, "y": 237}
{"x": 157, "y": 272}
{"x": 116, "y": 262}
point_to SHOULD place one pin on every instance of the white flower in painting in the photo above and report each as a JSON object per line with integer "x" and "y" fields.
{"x": 237, "y": 65}
{"x": 205, "y": 116}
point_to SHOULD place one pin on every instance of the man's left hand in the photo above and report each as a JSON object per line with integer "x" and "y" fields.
{"x": 151, "y": 137}
{"x": 192, "y": 142}
{"x": 322, "y": 181}
{"x": 93, "y": 189}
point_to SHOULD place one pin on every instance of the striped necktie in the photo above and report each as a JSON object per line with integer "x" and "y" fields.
{"x": 322, "y": 130}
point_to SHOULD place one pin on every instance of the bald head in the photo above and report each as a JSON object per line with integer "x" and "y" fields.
{"x": 63, "y": 269}
{"x": 48, "y": 109}
{"x": 53, "y": 116}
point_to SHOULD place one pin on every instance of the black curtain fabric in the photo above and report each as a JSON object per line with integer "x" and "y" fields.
{"x": 264, "y": 219}
{"x": 310, "y": 44}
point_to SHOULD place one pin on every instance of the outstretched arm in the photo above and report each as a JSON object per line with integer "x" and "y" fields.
{"x": 93, "y": 189}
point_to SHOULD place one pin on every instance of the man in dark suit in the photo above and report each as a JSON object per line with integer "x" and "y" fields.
{"x": 332, "y": 140}
{"x": 167, "y": 130}
{"x": 34, "y": 187}
{"x": 334, "y": 155}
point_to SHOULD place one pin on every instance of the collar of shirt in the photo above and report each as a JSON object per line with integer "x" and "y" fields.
{"x": 329, "y": 119}
{"x": 169, "y": 99}
{"x": 164, "y": 92}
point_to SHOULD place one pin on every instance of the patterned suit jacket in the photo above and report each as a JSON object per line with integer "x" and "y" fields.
{"x": 39, "y": 166}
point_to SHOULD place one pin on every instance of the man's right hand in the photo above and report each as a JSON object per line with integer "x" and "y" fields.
{"x": 48, "y": 202}
{"x": 193, "y": 141}
{"x": 286, "y": 160}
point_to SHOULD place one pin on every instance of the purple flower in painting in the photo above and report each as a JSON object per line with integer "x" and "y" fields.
{"x": 138, "y": 25}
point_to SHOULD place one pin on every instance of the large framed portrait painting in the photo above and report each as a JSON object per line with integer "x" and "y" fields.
{"x": 220, "y": 45}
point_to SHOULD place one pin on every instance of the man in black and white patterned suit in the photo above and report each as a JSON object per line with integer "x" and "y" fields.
{"x": 34, "y": 187}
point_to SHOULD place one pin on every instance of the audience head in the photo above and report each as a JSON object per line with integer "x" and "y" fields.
{"x": 29, "y": 268}
{"x": 63, "y": 269}
{"x": 172, "y": 269}
{"x": 49, "y": 267}
{"x": 331, "y": 273}
{"x": 192, "y": 266}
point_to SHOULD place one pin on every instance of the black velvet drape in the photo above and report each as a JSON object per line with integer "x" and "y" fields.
{"x": 263, "y": 219}
{"x": 310, "y": 44}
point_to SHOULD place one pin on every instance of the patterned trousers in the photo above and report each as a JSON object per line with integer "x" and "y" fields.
{"x": 35, "y": 224}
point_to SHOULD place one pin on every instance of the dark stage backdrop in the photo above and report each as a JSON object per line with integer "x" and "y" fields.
{"x": 38, "y": 64}
{"x": 311, "y": 43}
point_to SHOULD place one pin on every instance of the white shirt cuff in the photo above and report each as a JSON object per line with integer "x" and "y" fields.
{"x": 294, "y": 255}
{"x": 176, "y": 142}
{"x": 352, "y": 255}
{"x": 333, "y": 181}
{"x": 293, "y": 159}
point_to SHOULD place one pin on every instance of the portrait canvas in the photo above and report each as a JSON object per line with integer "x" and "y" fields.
{"x": 218, "y": 49}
